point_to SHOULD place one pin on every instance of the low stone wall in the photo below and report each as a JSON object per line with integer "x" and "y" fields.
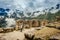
{"x": 54, "y": 25}
{"x": 5, "y": 30}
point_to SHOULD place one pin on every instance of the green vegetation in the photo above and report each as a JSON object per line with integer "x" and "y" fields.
{"x": 49, "y": 16}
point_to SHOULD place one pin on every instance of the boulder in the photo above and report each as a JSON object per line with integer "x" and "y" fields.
{"x": 29, "y": 36}
{"x": 9, "y": 29}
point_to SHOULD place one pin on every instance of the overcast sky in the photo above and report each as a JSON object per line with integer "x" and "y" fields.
{"x": 32, "y": 4}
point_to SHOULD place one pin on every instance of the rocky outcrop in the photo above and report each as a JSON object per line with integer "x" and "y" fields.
{"x": 46, "y": 33}
{"x": 43, "y": 34}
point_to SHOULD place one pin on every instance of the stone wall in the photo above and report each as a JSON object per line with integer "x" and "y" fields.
{"x": 44, "y": 22}
{"x": 30, "y": 23}
{"x": 27, "y": 23}
{"x": 35, "y": 23}
{"x": 19, "y": 24}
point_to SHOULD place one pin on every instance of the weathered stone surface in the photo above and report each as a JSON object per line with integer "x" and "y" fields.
{"x": 46, "y": 33}
{"x": 27, "y": 24}
{"x": 56, "y": 36}
{"x": 19, "y": 24}
{"x": 54, "y": 25}
{"x": 29, "y": 33}
{"x": 29, "y": 36}
{"x": 1, "y": 30}
{"x": 44, "y": 22}
{"x": 16, "y": 35}
{"x": 51, "y": 25}
{"x": 35, "y": 23}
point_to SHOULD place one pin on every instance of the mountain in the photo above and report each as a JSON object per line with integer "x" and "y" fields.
{"x": 22, "y": 14}
{"x": 58, "y": 6}
{"x": 2, "y": 12}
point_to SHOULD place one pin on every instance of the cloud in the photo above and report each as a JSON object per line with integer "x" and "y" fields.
{"x": 33, "y": 4}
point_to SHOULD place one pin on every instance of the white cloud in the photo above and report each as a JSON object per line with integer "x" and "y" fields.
{"x": 34, "y": 4}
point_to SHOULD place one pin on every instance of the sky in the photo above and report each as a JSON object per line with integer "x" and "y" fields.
{"x": 28, "y": 4}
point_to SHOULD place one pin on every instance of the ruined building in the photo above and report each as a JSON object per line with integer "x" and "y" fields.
{"x": 30, "y": 23}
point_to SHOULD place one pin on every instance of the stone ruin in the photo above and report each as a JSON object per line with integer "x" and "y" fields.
{"x": 30, "y": 23}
